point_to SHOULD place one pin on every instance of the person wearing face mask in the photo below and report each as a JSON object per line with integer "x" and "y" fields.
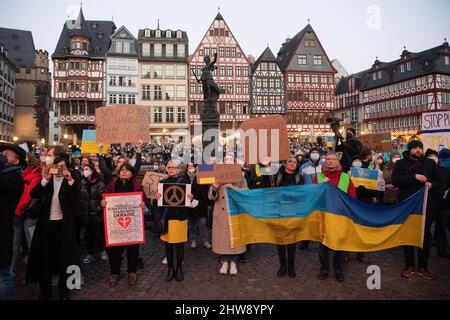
{"x": 349, "y": 148}
{"x": 12, "y": 159}
{"x": 411, "y": 174}
{"x": 198, "y": 231}
{"x": 54, "y": 247}
{"x": 91, "y": 213}
{"x": 391, "y": 192}
{"x": 440, "y": 207}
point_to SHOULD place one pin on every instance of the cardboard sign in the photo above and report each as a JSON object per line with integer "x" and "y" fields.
{"x": 436, "y": 141}
{"x": 174, "y": 195}
{"x": 122, "y": 124}
{"x": 89, "y": 144}
{"x": 436, "y": 121}
{"x": 377, "y": 142}
{"x": 364, "y": 177}
{"x": 254, "y": 150}
{"x": 219, "y": 173}
{"x": 150, "y": 183}
{"x": 124, "y": 219}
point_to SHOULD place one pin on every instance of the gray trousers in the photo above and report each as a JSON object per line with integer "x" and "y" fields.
{"x": 23, "y": 227}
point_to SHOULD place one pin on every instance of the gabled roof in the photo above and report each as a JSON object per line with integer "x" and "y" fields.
{"x": 288, "y": 48}
{"x": 20, "y": 45}
{"x": 116, "y": 36}
{"x": 343, "y": 84}
{"x": 98, "y": 32}
{"x": 266, "y": 56}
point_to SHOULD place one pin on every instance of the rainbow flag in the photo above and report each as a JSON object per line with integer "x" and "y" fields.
{"x": 325, "y": 214}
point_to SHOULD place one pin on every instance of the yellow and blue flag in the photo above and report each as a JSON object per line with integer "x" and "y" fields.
{"x": 205, "y": 174}
{"x": 364, "y": 177}
{"x": 325, "y": 214}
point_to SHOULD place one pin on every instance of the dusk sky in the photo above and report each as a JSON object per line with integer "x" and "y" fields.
{"x": 355, "y": 32}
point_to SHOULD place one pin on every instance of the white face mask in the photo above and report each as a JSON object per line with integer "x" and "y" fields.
{"x": 192, "y": 171}
{"x": 155, "y": 168}
{"x": 42, "y": 158}
{"x": 434, "y": 158}
{"x": 357, "y": 164}
{"x": 49, "y": 160}
{"x": 87, "y": 173}
{"x": 394, "y": 160}
{"x": 315, "y": 157}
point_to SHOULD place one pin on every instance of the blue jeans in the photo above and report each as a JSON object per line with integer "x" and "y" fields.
{"x": 6, "y": 283}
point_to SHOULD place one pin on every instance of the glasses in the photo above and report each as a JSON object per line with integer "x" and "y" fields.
{"x": 168, "y": 168}
{"x": 292, "y": 160}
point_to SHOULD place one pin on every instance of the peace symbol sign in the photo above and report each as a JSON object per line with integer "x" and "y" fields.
{"x": 174, "y": 195}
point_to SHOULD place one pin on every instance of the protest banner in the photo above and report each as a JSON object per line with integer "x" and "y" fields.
{"x": 124, "y": 219}
{"x": 150, "y": 183}
{"x": 89, "y": 144}
{"x": 379, "y": 142}
{"x": 219, "y": 173}
{"x": 436, "y": 130}
{"x": 364, "y": 177}
{"x": 254, "y": 150}
{"x": 174, "y": 195}
{"x": 122, "y": 124}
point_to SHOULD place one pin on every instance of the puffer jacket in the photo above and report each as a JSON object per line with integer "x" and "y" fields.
{"x": 91, "y": 194}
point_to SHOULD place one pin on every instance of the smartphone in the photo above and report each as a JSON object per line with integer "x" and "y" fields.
{"x": 55, "y": 170}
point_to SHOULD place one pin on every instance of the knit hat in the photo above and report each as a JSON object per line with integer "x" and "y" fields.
{"x": 429, "y": 152}
{"x": 444, "y": 153}
{"x": 414, "y": 144}
{"x": 393, "y": 154}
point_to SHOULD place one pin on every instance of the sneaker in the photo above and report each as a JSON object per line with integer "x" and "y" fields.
{"x": 408, "y": 272}
{"x": 104, "y": 256}
{"x": 426, "y": 274}
{"x": 88, "y": 259}
{"x": 194, "y": 244}
{"x": 224, "y": 269}
{"x": 207, "y": 245}
{"x": 164, "y": 260}
{"x": 233, "y": 268}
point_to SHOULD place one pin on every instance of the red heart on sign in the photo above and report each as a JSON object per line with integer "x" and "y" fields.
{"x": 124, "y": 222}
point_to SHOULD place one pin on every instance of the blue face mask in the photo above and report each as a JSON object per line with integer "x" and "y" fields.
{"x": 357, "y": 164}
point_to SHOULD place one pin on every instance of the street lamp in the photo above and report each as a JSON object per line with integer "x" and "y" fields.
{"x": 15, "y": 139}
{"x": 66, "y": 136}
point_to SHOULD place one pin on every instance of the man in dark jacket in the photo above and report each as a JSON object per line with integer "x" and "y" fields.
{"x": 410, "y": 174}
{"x": 12, "y": 158}
{"x": 349, "y": 148}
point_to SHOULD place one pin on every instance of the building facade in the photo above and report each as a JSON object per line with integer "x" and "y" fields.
{"x": 54, "y": 130}
{"x": 310, "y": 83}
{"x": 79, "y": 69}
{"x": 232, "y": 75}
{"x": 7, "y": 94}
{"x": 122, "y": 85}
{"x": 33, "y": 85}
{"x": 266, "y": 86}
{"x": 163, "y": 79}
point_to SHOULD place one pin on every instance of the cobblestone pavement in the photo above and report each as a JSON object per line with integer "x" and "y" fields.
{"x": 257, "y": 278}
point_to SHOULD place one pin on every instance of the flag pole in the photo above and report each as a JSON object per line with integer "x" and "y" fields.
{"x": 424, "y": 213}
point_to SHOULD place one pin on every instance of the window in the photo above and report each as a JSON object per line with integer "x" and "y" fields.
{"x": 323, "y": 79}
{"x": 408, "y": 66}
{"x": 306, "y": 78}
{"x": 315, "y": 78}
{"x": 233, "y": 52}
{"x": 181, "y": 92}
{"x": 157, "y": 92}
{"x": 298, "y": 78}
{"x": 245, "y": 86}
{"x": 317, "y": 60}
{"x": 447, "y": 60}
{"x": 169, "y": 50}
{"x": 131, "y": 99}
{"x": 193, "y": 88}
{"x": 147, "y": 33}
{"x": 146, "y": 92}
{"x": 158, "y": 33}
{"x": 379, "y": 74}
{"x": 169, "y": 115}
{"x": 179, "y": 35}
{"x": 221, "y": 51}
{"x": 238, "y": 89}
{"x": 62, "y": 66}
{"x": 206, "y": 51}
{"x": 222, "y": 71}
{"x": 170, "y": 94}
{"x": 310, "y": 43}
{"x": 181, "y": 115}
{"x": 200, "y": 53}
{"x": 290, "y": 78}
{"x": 374, "y": 76}
{"x": 126, "y": 47}
{"x": 118, "y": 47}
{"x": 146, "y": 49}
{"x": 230, "y": 88}
{"x": 238, "y": 71}
{"x": 157, "y": 71}
{"x": 245, "y": 71}
{"x": 181, "y": 72}
{"x": 157, "y": 47}
{"x": 122, "y": 99}
{"x": 181, "y": 50}
{"x": 168, "y": 34}
{"x": 302, "y": 60}
{"x": 157, "y": 115}
{"x": 169, "y": 72}
{"x": 229, "y": 71}
{"x": 145, "y": 71}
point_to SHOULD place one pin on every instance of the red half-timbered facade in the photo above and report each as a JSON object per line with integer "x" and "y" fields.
{"x": 309, "y": 82}
{"x": 232, "y": 75}
{"x": 79, "y": 73}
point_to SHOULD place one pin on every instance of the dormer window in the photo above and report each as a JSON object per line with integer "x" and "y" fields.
{"x": 100, "y": 35}
{"x": 447, "y": 60}
{"x": 94, "y": 25}
{"x": 168, "y": 34}
{"x": 379, "y": 75}
{"x": 147, "y": 33}
{"x": 179, "y": 35}
{"x": 97, "y": 50}
{"x": 158, "y": 34}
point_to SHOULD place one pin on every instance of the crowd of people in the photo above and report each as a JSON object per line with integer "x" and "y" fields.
{"x": 52, "y": 209}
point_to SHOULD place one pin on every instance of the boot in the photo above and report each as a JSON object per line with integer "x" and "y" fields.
{"x": 291, "y": 271}
{"x": 170, "y": 274}
{"x": 179, "y": 274}
{"x": 282, "y": 271}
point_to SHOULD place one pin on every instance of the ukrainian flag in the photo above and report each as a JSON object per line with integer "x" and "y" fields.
{"x": 325, "y": 214}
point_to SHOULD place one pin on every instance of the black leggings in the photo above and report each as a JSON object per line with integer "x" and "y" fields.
{"x": 115, "y": 258}
{"x": 179, "y": 249}
{"x": 290, "y": 248}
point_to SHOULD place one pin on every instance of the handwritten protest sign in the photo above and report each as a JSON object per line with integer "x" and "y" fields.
{"x": 380, "y": 142}
{"x": 122, "y": 124}
{"x": 364, "y": 177}
{"x": 150, "y": 183}
{"x": 253, "y": 151}
{"x": 124, "y": 219}
{"x": 219, "y": 173}
{"x": 89, "y": 144}
{"x": 436, "y": 130}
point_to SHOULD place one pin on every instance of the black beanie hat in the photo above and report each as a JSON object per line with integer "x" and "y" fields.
{"x": 414, "y": 144}
{"x": 430, "y": 152}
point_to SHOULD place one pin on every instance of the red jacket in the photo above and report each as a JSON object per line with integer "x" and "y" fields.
{"x": 32, "y": 177}
{"x": 334, "y": 179}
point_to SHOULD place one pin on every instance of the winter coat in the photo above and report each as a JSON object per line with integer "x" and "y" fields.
{"x": 175, "y": 213}
{"x": 91, "y": 194}
{"x": 31, "y": 177}
{"x": 334, "y": 178}
{"x": 11, "y": 189}
{"x": 221, "y": 243}
{"x": 200, "y": 193}
{"x": 390, "y": 194}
